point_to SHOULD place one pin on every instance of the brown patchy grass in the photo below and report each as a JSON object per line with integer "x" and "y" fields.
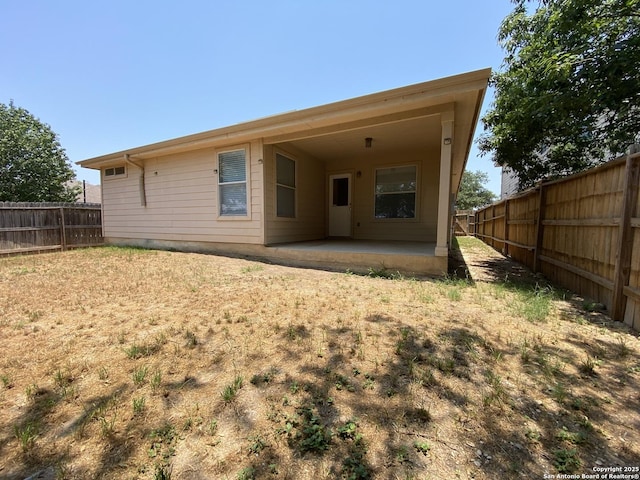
{"x": 123, "y": 363}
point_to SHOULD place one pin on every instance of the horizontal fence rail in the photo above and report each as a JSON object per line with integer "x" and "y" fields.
{"x": 39, "y": 227}
{"x": 582, "y": 232}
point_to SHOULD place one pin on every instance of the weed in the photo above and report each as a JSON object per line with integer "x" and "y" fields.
{"x": 533, "y": 435}
{"x": 31, "y": 391}
{"x": 260, "y": 378}
{"x": 247, "y": 473}
{"x": 252, "y": 268}
{"x": 525, "y": 352}
{"x": 212, "y": 427}
{"x": 402, "y": 454}
{"x": 257, "y": 444}
{"x": 422, "y": 447}
{"x": 559, "y": 392}
{"x": 622, "y": 349}
{"x": 369, "y": 382}
{"x": 61, "y": 380}
{"x": 576, "y": 438}
{"x": 355, "y": 467}
{"x": 230, "y": 391}
{"x": 63, "y": 384}
{"x": 426, "y": 297}
{"x": 163, "y": 442}
{"x": 535, "y": 305}
{"x": 26, "y": 435}
{"x": 588, "y": 365}
{"x": 138, "y": 405}
{"x": 162, "y": 472}
{"x": 342, "y": 382}
{"x": 105, "y": 414}
{"x": 139, "y": 376}
{"x": 454, "y": 294}
{"x": 103, "y": 374}
{"x": 311, "y": 435}
{"x": 6, "y": 381}
{"x": 421, "y": 414}
{"x": 107, "y": 425}
{"x": 294, "y": 387}
{"x": 382, "y": 272}
{"x": 191, "y": 339}
{"x": 156, "y": 380}
{"x": 566, "y": 461}
{"x": 348, "y": 430}
{"x": 497, "y": 392}
{"x": 138, "y": 351}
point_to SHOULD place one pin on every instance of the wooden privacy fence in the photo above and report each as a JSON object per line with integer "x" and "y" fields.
{"x": 463, "y": 222}
{"x": 581, "y": 232}
{"x": 37, "y": 227}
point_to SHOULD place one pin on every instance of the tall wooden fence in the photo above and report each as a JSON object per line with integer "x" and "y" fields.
{"x": 581, "y": 232}
{"x": 463, "y": 222}
{"x": 38, "y": 227}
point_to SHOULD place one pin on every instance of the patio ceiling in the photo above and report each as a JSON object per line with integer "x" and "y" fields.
{"x": 420, "y": 133}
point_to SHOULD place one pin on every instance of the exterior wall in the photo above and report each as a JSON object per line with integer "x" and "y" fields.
{"x": 365, "y": 226}
{"x": 181, "y": 200}
{"x": 309, "y": 223}
{"x": 508, "y": 184}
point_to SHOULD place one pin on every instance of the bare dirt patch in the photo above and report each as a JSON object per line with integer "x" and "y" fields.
{"x": 124, "y": 363}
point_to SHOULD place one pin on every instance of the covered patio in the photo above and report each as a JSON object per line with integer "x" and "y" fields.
{"x": 366, "y": 183}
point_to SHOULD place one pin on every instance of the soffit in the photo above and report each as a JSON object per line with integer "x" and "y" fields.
{"x": 404, "y": 135}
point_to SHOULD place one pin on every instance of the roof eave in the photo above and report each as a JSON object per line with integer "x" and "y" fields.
{"x": 318, "y": 116}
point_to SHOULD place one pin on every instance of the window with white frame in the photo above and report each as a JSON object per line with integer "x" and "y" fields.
{"x": 285, "y": 186}
{"x": 396, "y": 192}
{"x": 115, "y": 171}
{"x": 232, "y": 182}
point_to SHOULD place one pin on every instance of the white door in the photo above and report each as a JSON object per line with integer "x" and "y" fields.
{"x": 340, "y": 205}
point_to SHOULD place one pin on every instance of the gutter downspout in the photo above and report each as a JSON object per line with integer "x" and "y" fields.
{"x": 143, "y": 192}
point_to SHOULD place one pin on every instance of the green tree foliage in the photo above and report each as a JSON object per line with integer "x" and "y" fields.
{"x": 33, "y": 165}
{"x": 568, "y": 95}
{"x": 473, "y": 194}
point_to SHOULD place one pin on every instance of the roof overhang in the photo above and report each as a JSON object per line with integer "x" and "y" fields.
{"x": 407, "y": 114}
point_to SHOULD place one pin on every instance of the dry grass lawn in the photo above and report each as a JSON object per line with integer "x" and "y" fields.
{"x": 125, "y": 363}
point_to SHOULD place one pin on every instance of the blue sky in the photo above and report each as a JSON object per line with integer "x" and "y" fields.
{"x": 110, "y": 75}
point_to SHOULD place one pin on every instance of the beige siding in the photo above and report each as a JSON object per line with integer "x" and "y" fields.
{"x": 181, "y": 201}
{"x": 365, "y": 225}
{"x": 309, "y": 223}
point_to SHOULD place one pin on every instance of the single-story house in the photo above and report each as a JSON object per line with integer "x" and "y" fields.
{"x": 362, "y": 183}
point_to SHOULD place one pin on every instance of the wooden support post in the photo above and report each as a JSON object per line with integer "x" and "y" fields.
{"x": 542, "y": 200}
{"x": 63, "y": 230}
{"x": 625, "y": 237}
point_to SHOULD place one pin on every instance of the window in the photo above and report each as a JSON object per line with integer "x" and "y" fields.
{"x": 340, "y": 192}
{"x": 285, "y": 186}
{"x": 232, "y": 183}
{"x": 115, "y": 171}
{"x": 396, "y": 192}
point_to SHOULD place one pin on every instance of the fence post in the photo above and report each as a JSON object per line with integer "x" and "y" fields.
{"x": 63, "y": 230}
{"x": 505, "y": 246}
{"x": 493, "y": 225}
{"x": 539, "y": 229}
{"x": 625, "y": 232}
